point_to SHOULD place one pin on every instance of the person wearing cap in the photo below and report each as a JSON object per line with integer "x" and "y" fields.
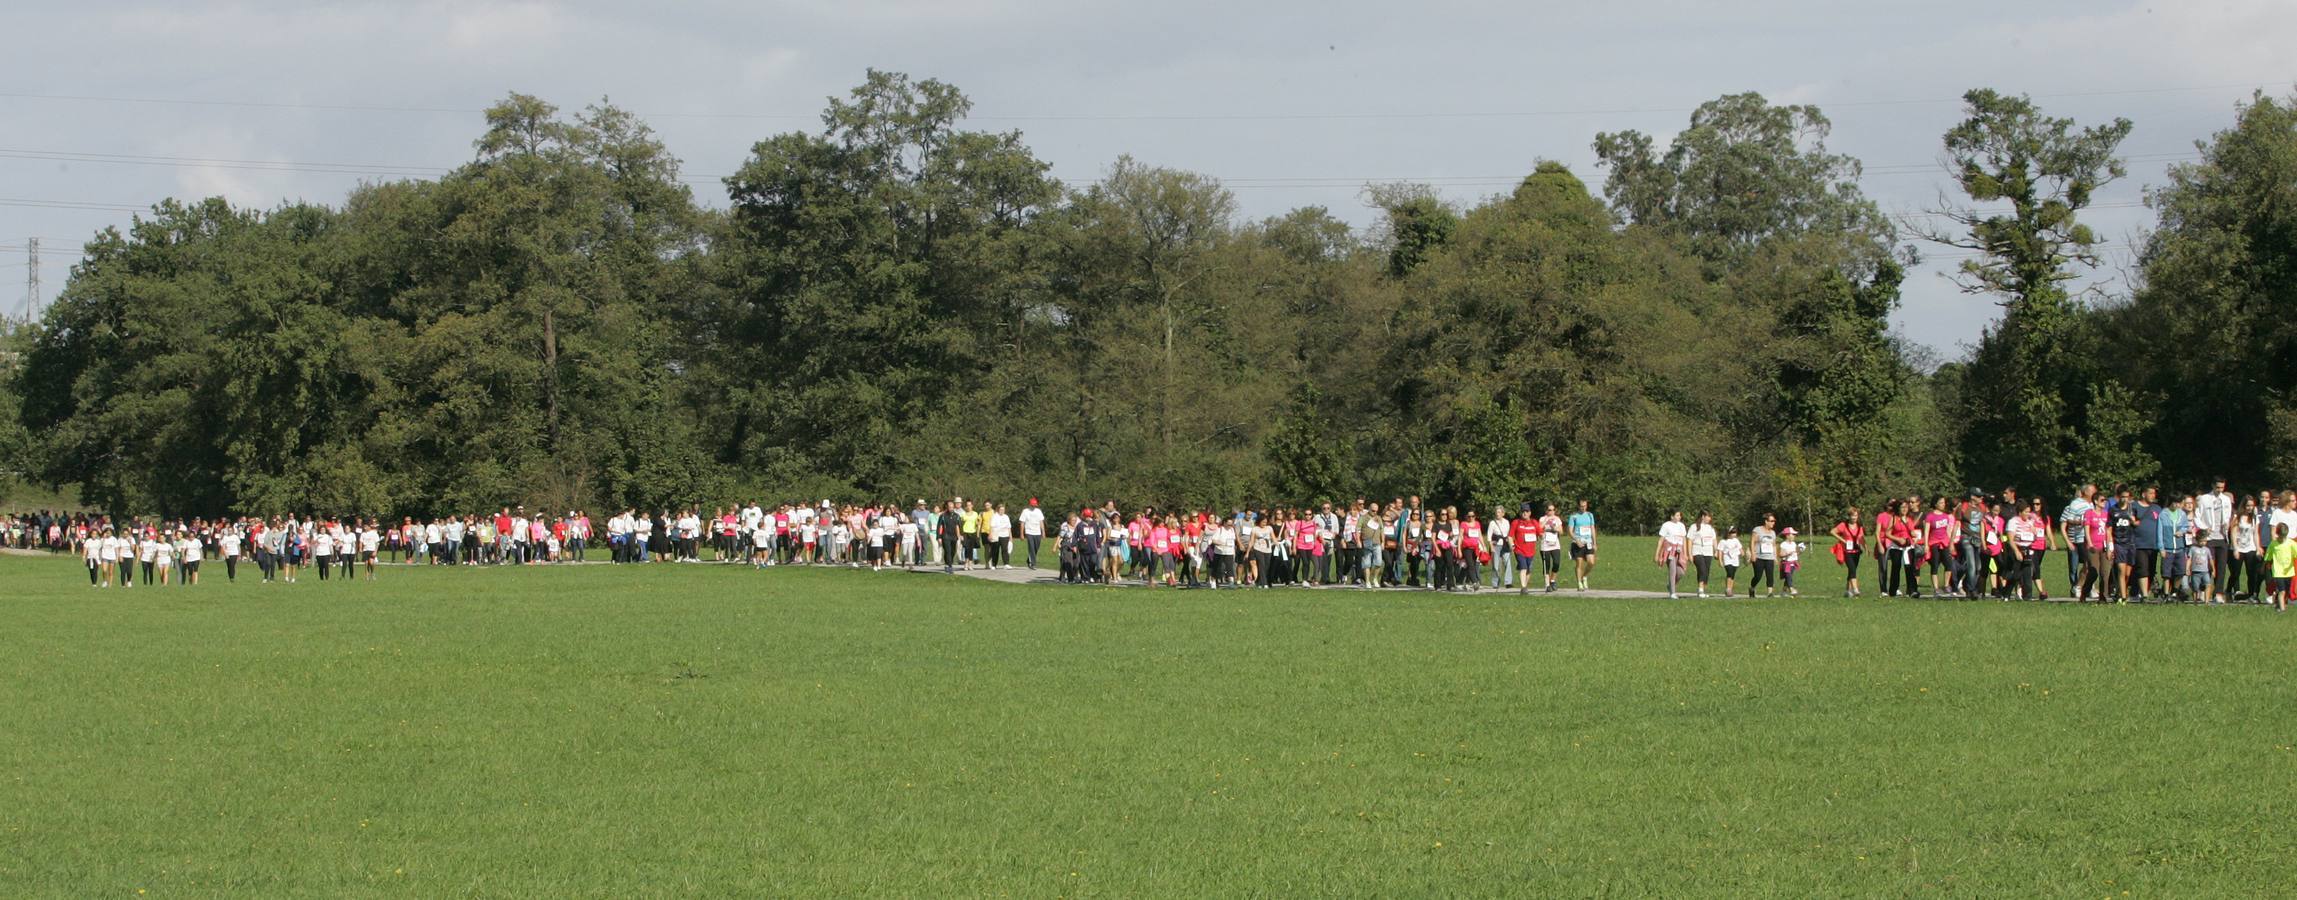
{"x": 1087, "y": 538}
{"x": 1032, "y": 530}
{"x": 1790, "y": 559}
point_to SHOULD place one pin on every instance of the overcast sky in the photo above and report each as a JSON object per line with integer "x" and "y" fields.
{"x": 1291, "y": 103}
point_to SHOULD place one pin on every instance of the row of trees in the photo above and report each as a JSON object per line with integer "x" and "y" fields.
{"x": 896, "y": 305}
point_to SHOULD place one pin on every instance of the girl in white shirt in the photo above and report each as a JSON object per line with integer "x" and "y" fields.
{"x": 1671, "y": 553}
{"x": 322, "y": 551}
{"x": 1732, "y": 553}
{"x": 188, "y": 545}
{"x": 230, "y": 543}
{"x": 370, "y": 541}
{"x": 1702, "y": 542}
{"x": 93, "y": 552}
{"x": 163, "y": 559}
{"x": 147, "y": 550}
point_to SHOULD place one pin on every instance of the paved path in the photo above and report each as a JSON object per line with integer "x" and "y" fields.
{"x": 1020, "y": 575}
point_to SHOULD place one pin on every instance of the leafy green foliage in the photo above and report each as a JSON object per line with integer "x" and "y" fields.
{"x": 2219, "y": 297}
{"x": 2024, "y": 400}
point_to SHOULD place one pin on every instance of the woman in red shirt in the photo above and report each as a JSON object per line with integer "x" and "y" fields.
{"x": 1849, "y": 546}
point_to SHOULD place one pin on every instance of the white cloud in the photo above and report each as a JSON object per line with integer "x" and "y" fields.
{"x": 527, "y": 24}
{"x": 2178, "y": 43}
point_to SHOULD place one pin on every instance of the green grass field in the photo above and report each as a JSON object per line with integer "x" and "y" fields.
{"x": 695, "y": 729}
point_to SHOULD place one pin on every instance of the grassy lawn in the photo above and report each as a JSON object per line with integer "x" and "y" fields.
{"x": 697, "y": 729}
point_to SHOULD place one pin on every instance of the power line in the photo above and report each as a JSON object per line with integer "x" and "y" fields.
{"x": 1116, "y": 117}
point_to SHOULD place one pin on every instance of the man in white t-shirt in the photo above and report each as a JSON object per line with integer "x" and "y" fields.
{"x": 1033, "y": 529}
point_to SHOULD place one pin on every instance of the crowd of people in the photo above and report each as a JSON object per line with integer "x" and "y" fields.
{"x": 2120, "y": 545}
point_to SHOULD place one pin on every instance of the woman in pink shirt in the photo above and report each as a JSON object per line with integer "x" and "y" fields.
{"x": 1305, "y": 546}
{"x": 2099, "y": 527}
{"x": 1938, "y": 540}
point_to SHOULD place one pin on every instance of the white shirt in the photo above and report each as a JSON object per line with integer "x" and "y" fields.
{"x": 1000, "y": 527}
{"x": 230, "y": 545}
{"x": 1672, "y": 533}
{"x": 1033, "y": 522}
{"x": 369, "y": 540}
{"x": 1495, "y": 533}
{"x": 689, "y": 527}
{"x": 2245, "y": 538}
{"x": 149, "y": 549}
{"x": 2280, "y": 518}
{"x": 1702, "y": 537}
{"x": 323, "y": 544}
{"x": 94, "y": 550}
{"x": 1732, "y": 551}
{"x": 1790, "y": 550}
{"x": 190, "y": 549}
{"x": 2214, "y": 512}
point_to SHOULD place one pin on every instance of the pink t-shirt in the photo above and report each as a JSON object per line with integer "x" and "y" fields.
{"x": 2094, "y": 522}
{"x": 1941, "y": 528}
{"x": 1304, "y": 536}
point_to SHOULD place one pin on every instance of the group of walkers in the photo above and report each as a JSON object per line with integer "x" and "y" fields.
{"x": 2123, "y": 545}
{"x": 1402, "y": 543}
{"x": 2120, "y": 545}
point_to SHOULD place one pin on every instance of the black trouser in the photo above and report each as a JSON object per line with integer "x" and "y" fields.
{"x": 2253, "y": 567}
{"x": 1471, "y": 570}
{"x": 231, "y": 568}
{"x": 1702, "y": 565}
{"x": 324, "y": 564}
{"x": 148, "y": 579}
{"x": 95, "y": 572}
{"x": 1765, "y": 574}
{"x": 2019, "y": 569}
{"x": 1850, "y": 565}
{"x": 949, "y": 553}
{"x": 1034, "y": 540}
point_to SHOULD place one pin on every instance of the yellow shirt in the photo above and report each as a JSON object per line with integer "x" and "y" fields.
{"x": 2284, "y": 558}
{"x": 969, "y": 522}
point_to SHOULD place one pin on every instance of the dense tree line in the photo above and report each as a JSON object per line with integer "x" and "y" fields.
{"x": 895, "y": 305}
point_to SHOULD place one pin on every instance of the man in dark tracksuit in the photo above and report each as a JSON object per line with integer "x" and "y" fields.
{"x": 1087, "y": 539}
{"x": 946, "y": 528}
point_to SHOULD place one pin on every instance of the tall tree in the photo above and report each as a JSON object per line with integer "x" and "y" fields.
{"x": 2220, "y": 286}
{"x": 872, "y": 280}
{"x": 2025, "y": 396}
{"x": 1744, "y": 173}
